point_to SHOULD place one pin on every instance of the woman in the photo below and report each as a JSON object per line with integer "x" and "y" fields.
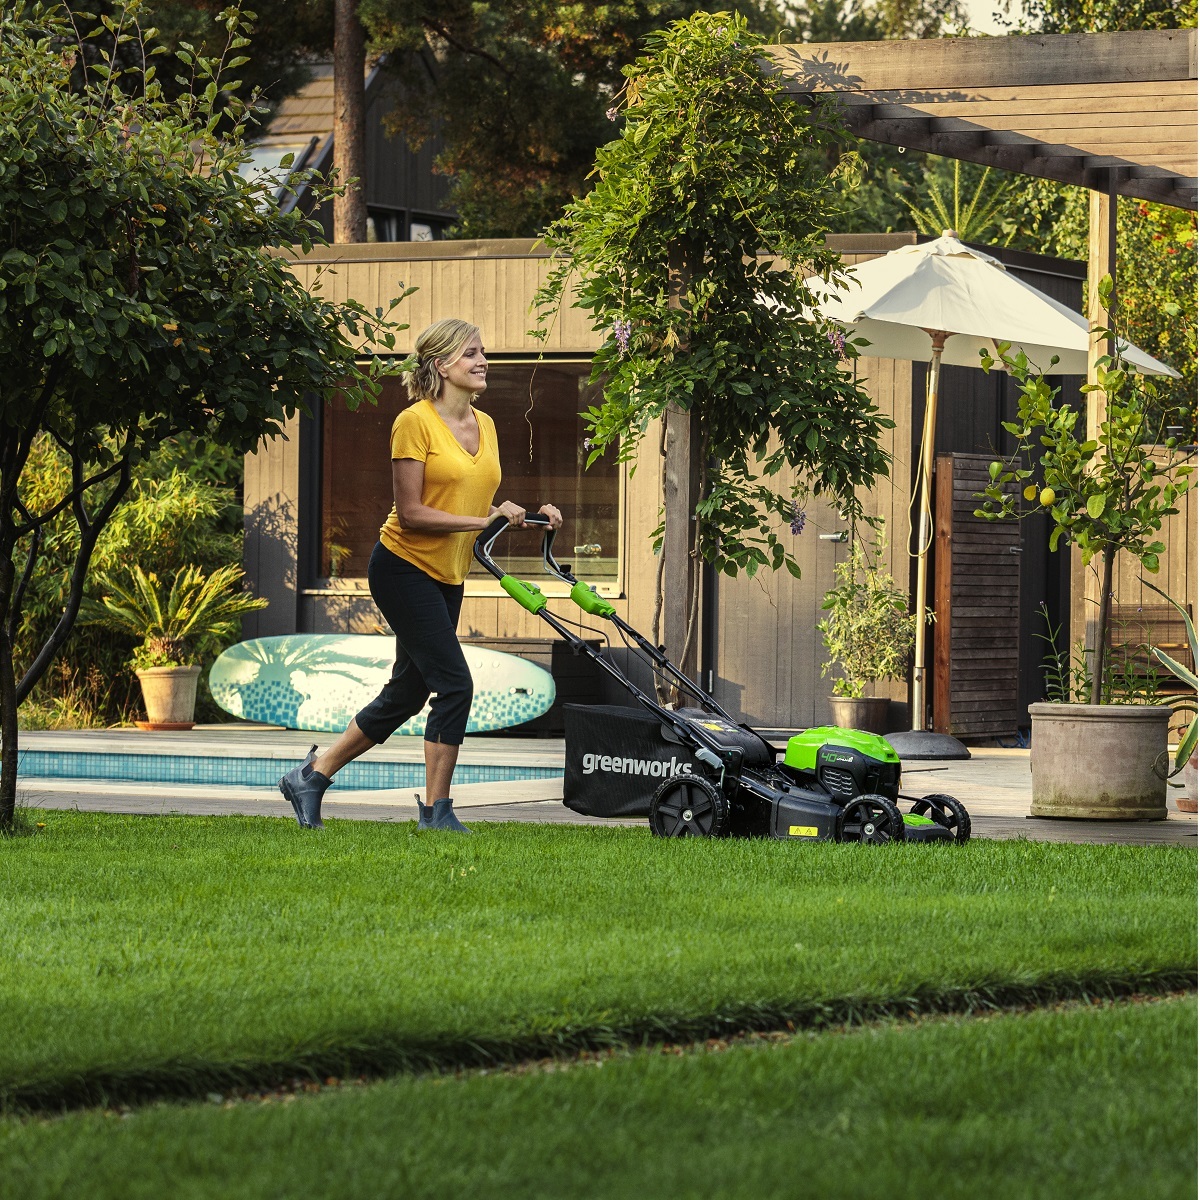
{"x": 445, "y": 472}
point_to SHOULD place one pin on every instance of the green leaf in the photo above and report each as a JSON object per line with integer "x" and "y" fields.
{"x": 1096, "y": 504}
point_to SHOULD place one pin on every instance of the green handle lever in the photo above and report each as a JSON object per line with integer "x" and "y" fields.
{"x": 527, "y": 595}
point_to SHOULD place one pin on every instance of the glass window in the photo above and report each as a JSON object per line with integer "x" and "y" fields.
{"x": 542, "y": 454}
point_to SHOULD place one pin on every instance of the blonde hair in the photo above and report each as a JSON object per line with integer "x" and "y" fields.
{"x": 443, "y": 339}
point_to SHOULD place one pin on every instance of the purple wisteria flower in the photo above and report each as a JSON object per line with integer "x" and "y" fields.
{"x": 588, "y": 444}
{"x": 799, "y": 518}
{"x": 621, "y": 331}
{"x": 837, "y": 339}
{"x": 612, "y": 113}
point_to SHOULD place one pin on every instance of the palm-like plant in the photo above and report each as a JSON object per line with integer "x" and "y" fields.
{"x": 972, "y": 220}
{"x": 173, "y": 625}
{"x": 1187, "y": 744}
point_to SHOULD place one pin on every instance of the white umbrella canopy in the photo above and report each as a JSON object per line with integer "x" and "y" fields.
{"x": 942, "y": 302}
{"x": 946, "y": 285}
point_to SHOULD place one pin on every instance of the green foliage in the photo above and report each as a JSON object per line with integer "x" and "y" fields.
{"x": 287, "y": 34}
{"x": 1106, "y": 16}
{"x": 175, "y": 626}
{"x": 869, "y": 631}
{"x": 179, "y": 511}
{"x": 1068, "y": 673}
{"x": 715, "y": 168}
{"x": 972, "y": 219}
{"x": 144, "y": 289}
{"x": 1187, "y": 744}
{"x": 521, "y": 138}
{"x": 1103, "y": 494}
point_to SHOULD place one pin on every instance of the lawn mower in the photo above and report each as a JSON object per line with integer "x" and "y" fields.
{"x": 696, "y": 771}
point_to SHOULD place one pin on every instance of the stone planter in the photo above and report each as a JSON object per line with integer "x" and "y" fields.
{"x": 868, "y": 713}
{"x": 1097, "y": 761}
{"x": 170, "y": 696}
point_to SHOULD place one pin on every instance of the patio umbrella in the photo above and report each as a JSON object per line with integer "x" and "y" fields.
{"x": 942, "y": 302}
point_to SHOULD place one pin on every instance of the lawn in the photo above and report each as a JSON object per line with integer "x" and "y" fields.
{"x": 1088, "y": 1102}
{"x": 182, "y": 954}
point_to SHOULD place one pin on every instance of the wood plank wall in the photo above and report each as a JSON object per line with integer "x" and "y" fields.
{"x": 977, "y": 586}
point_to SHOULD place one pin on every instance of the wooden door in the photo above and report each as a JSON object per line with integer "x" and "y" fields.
{"x": 977, "y": 588}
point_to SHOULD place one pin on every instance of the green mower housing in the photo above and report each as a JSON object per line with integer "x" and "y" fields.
{"x": 845, "y": 762}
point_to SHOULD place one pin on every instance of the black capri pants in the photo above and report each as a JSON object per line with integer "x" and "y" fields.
{"x": 423, "y": 613}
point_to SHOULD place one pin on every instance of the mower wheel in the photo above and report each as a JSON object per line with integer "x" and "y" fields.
{"x": 871, "y": 818}
{"x": 946, "y": 811}
{"x": 689, "y": 806}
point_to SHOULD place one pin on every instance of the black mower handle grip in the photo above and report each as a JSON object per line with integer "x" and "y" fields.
{"x": 500, "y": 524}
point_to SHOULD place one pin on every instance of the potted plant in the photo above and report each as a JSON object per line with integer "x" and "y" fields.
{"x": 869, "y": 634}
{"x": 1105, "y": 494}
{"x": 175, "y": 627}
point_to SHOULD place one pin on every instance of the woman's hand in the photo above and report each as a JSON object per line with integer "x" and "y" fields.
{"x": 513, "y": 512}
{"x": 555, "y": 516}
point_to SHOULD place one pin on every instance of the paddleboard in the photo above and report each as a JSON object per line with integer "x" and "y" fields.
{"x": 318, "y": 681}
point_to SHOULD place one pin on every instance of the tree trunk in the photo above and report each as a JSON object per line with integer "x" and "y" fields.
{"x": 349, "y": 123}
{"x": 8, "y": 702}
{"x": 1102, "y": 623}
{"x": 681, "y": 485}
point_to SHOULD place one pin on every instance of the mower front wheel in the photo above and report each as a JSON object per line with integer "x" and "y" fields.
{"x": 872, "y": 819}
{"x": 947, "y": 812}
{"x": 689, "y": 806}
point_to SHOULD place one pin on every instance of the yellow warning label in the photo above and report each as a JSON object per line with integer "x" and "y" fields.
{"x": 802, "y": 831}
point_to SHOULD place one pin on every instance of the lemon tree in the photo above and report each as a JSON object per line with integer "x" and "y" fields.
{"x": 1103, "y": 494}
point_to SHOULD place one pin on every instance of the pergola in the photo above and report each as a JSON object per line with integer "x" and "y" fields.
{"x": 1112, "y": 112}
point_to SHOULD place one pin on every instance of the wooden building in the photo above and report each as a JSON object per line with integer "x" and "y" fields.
{"x": 314, "y": 501}
{"x": 406, "y": 200}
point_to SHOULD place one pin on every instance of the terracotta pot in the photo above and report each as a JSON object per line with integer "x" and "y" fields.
{"x": 868, "y": 713}
{"x": 170, "y": 696}
{"x": 1185, "y": 799}
{"x": 1096, "y": 761}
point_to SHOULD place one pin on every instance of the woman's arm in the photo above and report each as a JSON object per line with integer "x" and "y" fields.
{"x": 408, "y": 480}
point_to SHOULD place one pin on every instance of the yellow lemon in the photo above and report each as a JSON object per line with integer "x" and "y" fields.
{"x": 1047, "y": 497}
{"x": 1030, "y": 492}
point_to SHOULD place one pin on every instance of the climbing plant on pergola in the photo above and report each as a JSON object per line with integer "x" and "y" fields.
{"x": 695, "y": 254}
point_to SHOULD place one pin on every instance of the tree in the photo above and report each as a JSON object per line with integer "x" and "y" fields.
{"x": 1104, "y": 494}
{"x": 715, "y": 168}
{"x": 521, "y": 94}
{"x": 144, "y": 293}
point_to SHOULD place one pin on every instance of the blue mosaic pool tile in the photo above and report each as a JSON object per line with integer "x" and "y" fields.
{"x": 248, "y": 772}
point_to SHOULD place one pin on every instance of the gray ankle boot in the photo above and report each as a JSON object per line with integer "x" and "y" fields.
{"x": 440, "y": 816}
{"x": 304, "y": 787}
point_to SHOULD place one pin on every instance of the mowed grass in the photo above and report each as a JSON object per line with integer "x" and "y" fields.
{"x": 177, "y": 953}
{"x": 1092, "y": 1103}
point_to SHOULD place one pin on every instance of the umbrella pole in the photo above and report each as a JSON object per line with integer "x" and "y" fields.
{"x": 925, "y": 526}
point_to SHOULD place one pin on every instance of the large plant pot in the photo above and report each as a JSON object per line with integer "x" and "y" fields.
{"x": 868, "y": 713}
{"x": 1097, "y": 761}
{"x": 170, "y": 696}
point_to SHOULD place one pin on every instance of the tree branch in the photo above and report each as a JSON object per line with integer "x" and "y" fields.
{"x": 89, "y": 532}
{"x": 18, "y": 596}
{"x": 446, "y": 36}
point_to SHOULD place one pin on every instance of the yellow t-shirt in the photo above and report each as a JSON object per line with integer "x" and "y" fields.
{"x": 455, "y": 482}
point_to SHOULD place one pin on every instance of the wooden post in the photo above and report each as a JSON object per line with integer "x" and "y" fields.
{"x": 1102, "y": 260}
{"x": 349, "y": 122}
{"x": 681, "y": 486}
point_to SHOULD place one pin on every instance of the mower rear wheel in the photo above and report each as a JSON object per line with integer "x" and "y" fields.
{"x": 689, "y": 806}
{"x": 946, "y": 811}
{"x": 872, "y": 819}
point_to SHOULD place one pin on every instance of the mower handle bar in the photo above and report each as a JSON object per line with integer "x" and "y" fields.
{"x": 500, "y": 524}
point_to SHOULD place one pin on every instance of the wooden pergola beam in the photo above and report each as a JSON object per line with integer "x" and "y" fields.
{"x": 1116, "y": 111}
